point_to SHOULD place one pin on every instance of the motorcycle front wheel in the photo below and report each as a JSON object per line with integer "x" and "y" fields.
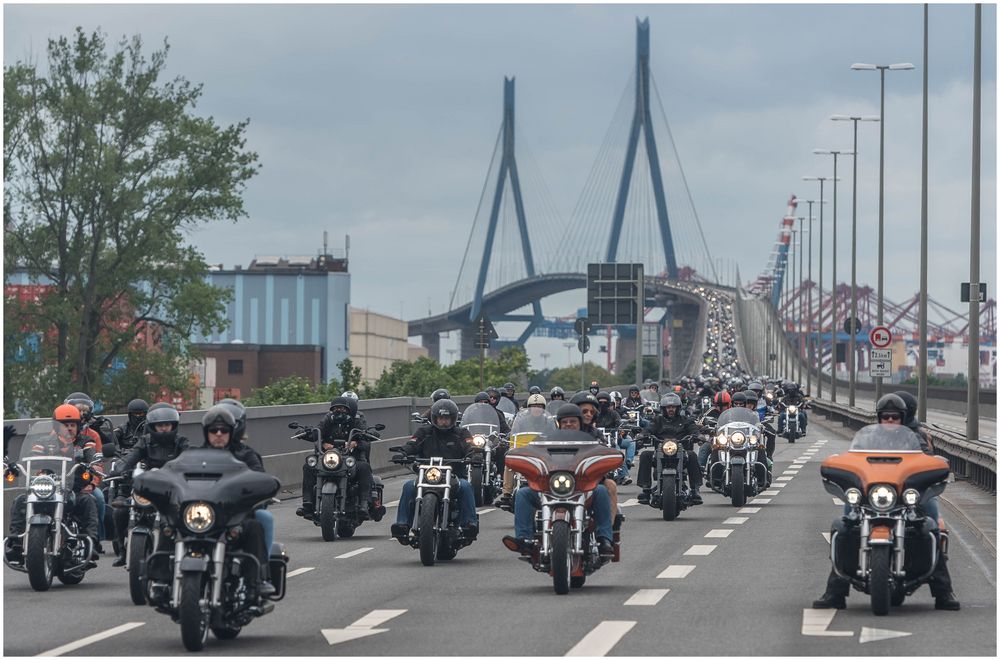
{"x": 139, "y": 548}
{"x": 428, "y": 535}
{"x": 476, "y": 480}
{"x": 328, "y": 517}
{"x": 562, "y": 558}
{"x": 37, "y": 559}
{"x": 879, "y": 581}
{"x": 193, "y": 617}
{"x": 668, "y": 497}
{"x": 737, "y": 488}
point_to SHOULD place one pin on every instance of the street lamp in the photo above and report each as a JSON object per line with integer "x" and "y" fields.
{"x": 810, "y": 339}
{"x": 545, "y": 360}
{"x": 798, "y": 345}
{"x": 852, "y": 358}
{"x": 833, "y": 363}
{"x": 881, "y": 68}
{"x": 569, "y": 352}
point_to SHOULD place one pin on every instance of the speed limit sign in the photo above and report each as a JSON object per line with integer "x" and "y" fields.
{"x": 880, "y": 336}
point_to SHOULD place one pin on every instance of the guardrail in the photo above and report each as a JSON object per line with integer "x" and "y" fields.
{"x": 975, "y": 462}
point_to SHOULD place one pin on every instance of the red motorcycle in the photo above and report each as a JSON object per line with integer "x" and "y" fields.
{"x": 564, "y": 473}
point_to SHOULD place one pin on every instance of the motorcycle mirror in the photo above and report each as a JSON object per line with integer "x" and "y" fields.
{"x": 98, "y": 457}
{"x": 396, "y": 450}
{"x": 380, "y": 427}
{"x": 293, "y": 425}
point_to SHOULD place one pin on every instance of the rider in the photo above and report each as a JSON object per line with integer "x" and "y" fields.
{"x": 722, "y": 403}
{"x": 436, "y": 396}
{"x": 891, "y": 410}
{"x": 219, "y": 430}
{"x": 67, "y": 441}
{"x": 568, "y": 417}
{"x": 670, "y": 424}
{"x": 94, "y": 429}
{"x": 508, "y": 391}
{"x": 446, "y": 440}
{"x": 557, "y": 394}
{"x": 353, "y": 396}
{"x": 608, "y": 419}
{"x": 911, "y": 421}
{"x": 126, "y": 435}
{"x": 792, "y": 397}
{"x": 595, "y": 387}
{"x": 158, "y": 445}
{"x": 588, "y": 405}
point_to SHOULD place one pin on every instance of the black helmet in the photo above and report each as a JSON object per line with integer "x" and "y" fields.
{"x": 751, "y": 397}
{"x": 584, "y": 396}
{"x": 162, "y": 413}
{"x": 439, "y": 394}
{"x": 137, "y": 409}
{"x": 891, "y": 403}
{"x": 557, "y": 391}
{"x": 911, "y": 406}
{"x": 82, "y": 400}
{"x": 534, "y": 389}
{"x": 670, "y": 399}
{"x": 739, "y": 399}
{"x": 482, "y": 397}
{"x": 239, "y": 414}
{"x": 342, "y": 417}
{"x": 218, "y": 415}
{"x": 569, "y": 410}
{"x": 653, "y": 385}
{"x": 633, "y": 389}
{"x": 444, "y": 408}
{"x": 756, "y": 388}
{"x": 509, "y": 388}
{"x": 492, "y": 391}
{"x": 603, "y": 399}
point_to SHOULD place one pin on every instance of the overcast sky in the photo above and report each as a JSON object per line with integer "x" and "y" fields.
{"x": 380, "y": 121}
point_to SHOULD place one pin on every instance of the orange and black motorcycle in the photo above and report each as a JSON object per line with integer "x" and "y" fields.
{"x": 564, "y": 468}
{"x": 886, "y": 545}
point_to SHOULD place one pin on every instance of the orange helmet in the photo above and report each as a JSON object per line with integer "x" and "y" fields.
{"x": 67, "y": 413}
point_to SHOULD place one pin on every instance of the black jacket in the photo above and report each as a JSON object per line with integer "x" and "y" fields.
{"x": 608, "y": 419}
{"x": 153, "y": 453}
{"x": 126, "y": 436}
{"x": 242, "y": 452}
{"x": 430, "y": 441}
{"x": 633, "y": 404}
{"x": 674, "y": 428}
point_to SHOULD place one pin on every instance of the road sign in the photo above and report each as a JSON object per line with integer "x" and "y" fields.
{"x": 583, "y": 343}
{"x": 650, "y": 339}
{"x": 582, "y": 326}
{"x": 880, "y": 362}
{"x": 965, "y": 292}
{"x": 880, "y": 336}
{"x": 848, "y": 325}
{"x": 615, "y": 293}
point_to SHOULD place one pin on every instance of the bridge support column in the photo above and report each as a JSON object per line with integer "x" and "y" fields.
{"x": 432, "y": 342}
{"x": 683, "y": 332}
{"x": 467, "y": 343}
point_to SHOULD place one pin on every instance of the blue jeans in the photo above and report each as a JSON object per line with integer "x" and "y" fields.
{"x": 408, "y": 503}
{"x": 527, "y": 500}
{"x": 930, "y": 508}
{"x": 266, "y": 520}
{"x": 628, "y": 444}
{"x": 703, "y": 453}
{"x": 99, "y": 496}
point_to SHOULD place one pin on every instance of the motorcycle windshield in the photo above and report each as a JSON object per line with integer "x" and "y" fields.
{"x": 885, "y": 437}
{"x": 552, "y": 407}
{"x": 739, "y": 416}
{"x": 507, "y": 406}
{"x": 529, "y": 425}
{"x": 650, "y": 395}
{"x": 480, "y": 415}
{"x": 48, "y": 445}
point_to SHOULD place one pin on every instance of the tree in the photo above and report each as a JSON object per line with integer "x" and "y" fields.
{"x": 107, "y": 169}
{"x": 284, "y": 391}
{"x": 424, "y": 375}
{"x": 568, "y": 378}
{"x": 650, "y": 369}
{"x": 350, "y": 376}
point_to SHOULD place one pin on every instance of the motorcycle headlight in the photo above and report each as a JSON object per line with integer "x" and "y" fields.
{"x": 792, "y": 410}
{"x": 753, "y": 441}
{"x": 350, "y": 461}
{"x": 911, "y": 496}
{"x": 312, "y": 461}
{"x": 721, "y": 440}
{"x": 882, "y": 497}
{"x": 331, "y": 460}
{"x": 199, "y": 517}
{"x": 669, "y": 448}
{"x": 478, "y": 441}
{"x": 853, "y": 495}
{"x": 139, "y": 500}
{"x": 433, "y": 476}
{"x": 43, "y": 487}
{"x": 738, "y": 439}
{"x": 562, "y": 484}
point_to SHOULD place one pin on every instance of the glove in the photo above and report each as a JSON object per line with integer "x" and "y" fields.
{"x": 8, "y": 432}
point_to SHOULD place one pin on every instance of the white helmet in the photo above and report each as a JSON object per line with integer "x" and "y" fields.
{"x": 536, "y": 400}
{"x": 350, "y": 395}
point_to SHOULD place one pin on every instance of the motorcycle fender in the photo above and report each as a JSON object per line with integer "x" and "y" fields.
{"x": 194, "y": 565}
{"x": 141, "y": 531}
{"x": 737, "y": 460}
{"x": 880, "y": 535}
{"x": 669, "y": 471}
{"x": 40, "y": 519}
{"x": 329, "y": 487}
{"x": 562, "y": 514}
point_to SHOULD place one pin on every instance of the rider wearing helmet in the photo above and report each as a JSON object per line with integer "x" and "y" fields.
{"x": 792, "y": 396}
{"x": 670, "y": 424}
{"x": 589, "y": 408}
{"x": 911, "y": 421}
{"x": 722, "y": 402}
{"x": 609, "y": 420}
{"x": 100, "y": 432}
{"x": 445, "y": 439}
{"x": 595, "y": 387}
{"x": 126, "y": 435}
{"x": 557, "y": 394}
{"x": 534, "y": 389}
{"x": 535, "y": 403}
{"x": 353, "y": 396}
{"x": 508, "y": 391}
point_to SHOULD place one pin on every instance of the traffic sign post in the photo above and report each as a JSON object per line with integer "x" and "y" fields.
{"x": 880, "y": 362}
{"x": 852, "y": 323}
{"x": 616, "y": 296}
{"x": 484, "y": 333}
{"x": 880, "y": 337}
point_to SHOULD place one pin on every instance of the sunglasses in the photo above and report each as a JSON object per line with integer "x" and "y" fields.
{"x": 891, "y": 417}
{"x": 218, "y": 429}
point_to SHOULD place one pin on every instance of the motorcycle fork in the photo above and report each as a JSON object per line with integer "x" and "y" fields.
{"x": 175, "y": 595}
{"x": 900, "y": 554}
{"x": 216, "y": 571}
{"x": 578, "y": 517}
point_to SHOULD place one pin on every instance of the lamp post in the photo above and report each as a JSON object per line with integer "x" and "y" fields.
{"x": 833, "y": 300}
{"x": 972, "y": 419}
{"x": 569, "y": 352}
{"x": 881, "y": 68}
{"x": 833, "y": 354}
{"x": 799, "y": 352}
{"x": 810, "y": 340}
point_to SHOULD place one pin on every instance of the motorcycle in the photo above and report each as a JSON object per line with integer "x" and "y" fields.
{"x": 893, "y": 546}
{"x": 143, "y": 533}
{"x": 436, "y": 532}
{"x": 790, "y": 416}
{"x": 671, "y": 494}
{"x": 564, "y": 474}
{"x": 340, "y": 508}
{"x": 525, "y": 429}
{"x": 482, "y": 422}
{"x": 204, "y": 496}
{"x": 52, "y": 543}
{"x": 508, "y": 408}
{"x": 737, "y": 467}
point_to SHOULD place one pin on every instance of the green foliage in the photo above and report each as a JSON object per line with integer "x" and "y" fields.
{"x": 650, "y": 369}
{"x": 283, "y": 391}
{"x": 958, "y": 381}
{"x": 350, "y": 376}
{"x": 423, "y": 376}
{"x": 107, "y": 170}
{"x": 569, "y": 378}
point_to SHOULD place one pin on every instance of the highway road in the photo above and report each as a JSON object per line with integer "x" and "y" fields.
{"x": 950, "y": 421}
{"x": 717, "y": 581}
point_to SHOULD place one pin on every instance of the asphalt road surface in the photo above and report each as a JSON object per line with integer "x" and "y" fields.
{"x": 951, "y": 421}
{"x": 717, "y": 581}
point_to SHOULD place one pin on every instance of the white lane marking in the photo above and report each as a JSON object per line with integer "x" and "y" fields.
{"x": 299, "y": 571}
{"x": 816, "y": 622}
{"x": 749, "y": 509}
{"x": 631, "y": 502}
{"x": 878, "y": 634}
{"x": 676, "y": 571}
{"x": 353, "y": 553}
{"x": 781, "y": 485}
{"x": 770, "y": 492}
{"x": 391, "y": 504}
{"x": 601, "y": 639}
{"x": 800, "y": 461}
{"x": 80, "y": 643}
{"x": 838, "y": 501}
{"x": 826, "y": 536}
{"x": 785, "y": 478}
{"x": 735, "y": 520}
{"x": 811, "y": 451}
{"x": 760, "y": 500}
{"x": 700, "y": 550}
{"x": 647, "y": 597}
{"x": 363, "y": 627}
{"x": 486, "y": 509}
{"x": 718, "y": 533}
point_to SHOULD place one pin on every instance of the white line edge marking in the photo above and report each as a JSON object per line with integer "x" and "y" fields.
{"x": 647, "y": 597}
{"x": 299, "y": 571}
{"x": 815, "y": 623}
{"x": 353, "y": 553}
{"x": 718, "y": 533}
{"x": 676, "y": 572}
{"x": 735, "y": 520}
{"x": 603, "y": 638}
{"x": 86, "y": 641}
{"x": 390, "y": 504}
{"x": 700, "y": 550}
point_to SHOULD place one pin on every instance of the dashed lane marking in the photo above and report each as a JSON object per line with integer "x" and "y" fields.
{"x": 826, "y": 536}
{"x": 781, "y": 485}
{"x": 788, "y": 478}
{"x": 485, "y": 510}
{"x": 647, "y": 597}
{"x": 391, "y": 504}
{"x": 80, "y": 643}
{"x": 700, "y": 550}
{"x": 749, "y": 509}
{"x": 676, "y": 571}
{"x": 599, "y": 641}
{"x": 760, "y": 500}
{"x": 770, "y": 492}
{"x": 353, "y": 553}
{"x": 718, "y": 533}
{"x": 735, "y": 520}
{"x": 299, "y": 571}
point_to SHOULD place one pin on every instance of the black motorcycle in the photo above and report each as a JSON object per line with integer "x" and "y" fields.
{"x": 144, "y": 531}
{"x": 670, "y": 492}
{"x": 204, "y": 496}
{"x": 340, "y": 507}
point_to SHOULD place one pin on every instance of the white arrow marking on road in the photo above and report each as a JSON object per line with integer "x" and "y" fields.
{"x": 826, "y": 535}
{"x": 631, "y": 502}
{"x": 353, "y": 553}
{"x": 749, "y": 509}
{"x": 391, "y": 504}
{"x": 700, "y": 550}
{"x": 485, "y": 510}
{"x": 647, "y": 597}
{"x": 601, "y": 639}
{"x": 80, "y": 643}
{"x": 816, "y": 622}
{"x": 718, "y": 533}
{"x": 299, "y": 571}
{"x": 878, "y": 634}
{"x": 676, "y": 571}
{"x": 363, "y": 627}
{"x": 735, "y": 520}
